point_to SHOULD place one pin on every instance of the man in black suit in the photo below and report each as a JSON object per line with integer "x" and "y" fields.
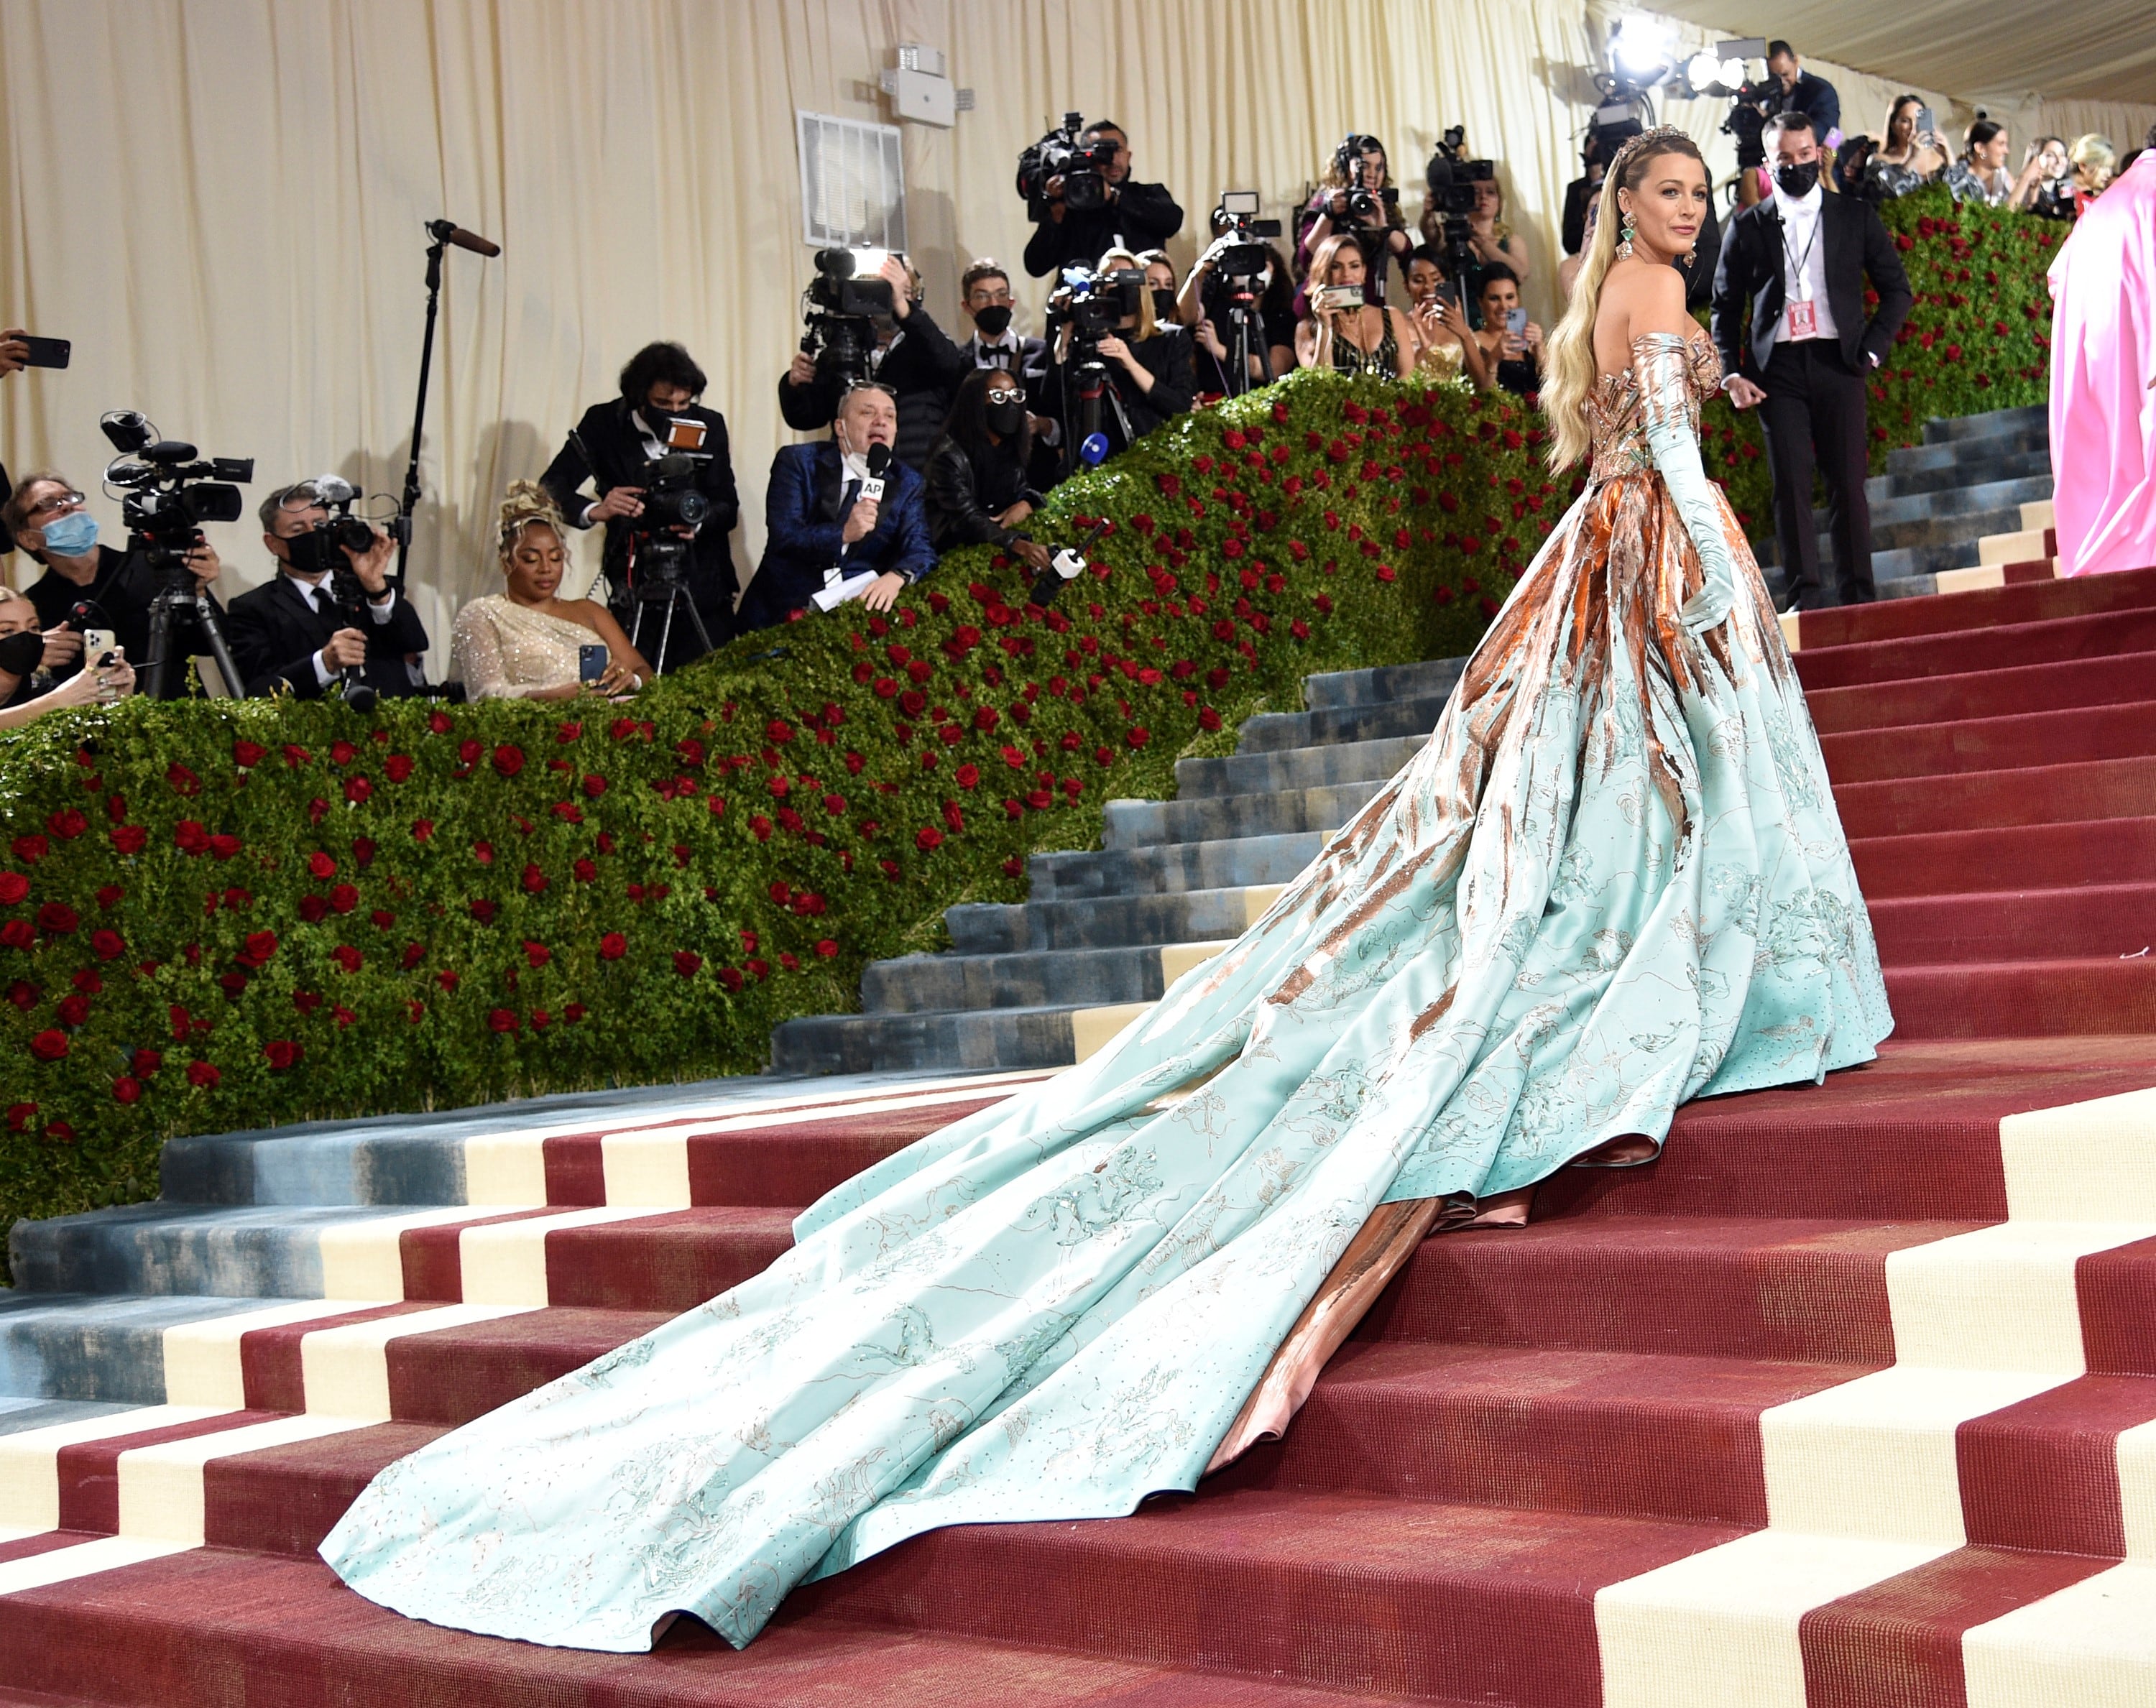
{"x": 614, "y": 447}
{"x": 1134, "y": 216}
{"x": 290, "y": 636}
{"x": 985, "y": 292}
{"x": 914, "y": 359}
{"x": 1800, "y": 259}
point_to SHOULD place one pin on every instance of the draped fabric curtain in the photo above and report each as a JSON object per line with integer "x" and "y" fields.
{"x": 221, "y": 201}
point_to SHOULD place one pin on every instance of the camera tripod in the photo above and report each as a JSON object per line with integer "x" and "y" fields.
{"x": 180, "y": 599}
{"x": 1090, "y": 386}
{"x": 661, "y": 579}
{"x": 1242, "y": 317}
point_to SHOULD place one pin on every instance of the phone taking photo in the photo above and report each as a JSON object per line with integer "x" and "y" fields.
{"x": 97, "y": 641}
{"x": 47, "y": 352}
{"x": 1925, "y": 124}
{"x": 591, "y": 661}
{"x": 1335, "y": 297}
{"x": 1515, "y": 322}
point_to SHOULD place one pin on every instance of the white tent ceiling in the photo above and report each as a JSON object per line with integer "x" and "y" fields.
{"x": 2070, "y": 50}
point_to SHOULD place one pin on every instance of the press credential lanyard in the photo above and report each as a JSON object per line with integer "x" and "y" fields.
{"x": 1804, "y": 313}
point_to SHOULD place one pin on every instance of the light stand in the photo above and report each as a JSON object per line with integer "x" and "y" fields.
{"x": 444, "y": 233}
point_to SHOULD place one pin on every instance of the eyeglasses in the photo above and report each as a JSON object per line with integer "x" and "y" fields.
{"x": 1003, "y": 395}
{"x": 58, "y": 501}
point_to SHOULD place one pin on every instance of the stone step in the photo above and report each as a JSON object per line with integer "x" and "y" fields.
{"x": 1033, "y": 978}
{"x": 1954, "y": 429}
{"x": 1298, "y": 767}
{"x": 1220, "y": 865}
{"x": 1106, "y": 921}
{"x": 1275, "y": 732}
{"x": 1330, "y": 689}
{"x": 1900, "y": 563}
{"x": 978, "y": 1039}
{"x": 1146, "y": 824}
{"x": 105, "y": 1347}
{"x": 1970, "y": 470}
{"x": 1927, "y": 459}
{"x": 1952, "y": 503}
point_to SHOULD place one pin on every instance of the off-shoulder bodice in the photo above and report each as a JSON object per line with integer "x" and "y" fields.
{"x": 1670, "y": 374}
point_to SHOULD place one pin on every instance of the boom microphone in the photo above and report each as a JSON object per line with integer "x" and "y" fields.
{"x": 444, "y": 231}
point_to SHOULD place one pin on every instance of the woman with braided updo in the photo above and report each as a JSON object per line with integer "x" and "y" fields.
{"x": 527, "y": 642}
{"x": 1612, "y": 880}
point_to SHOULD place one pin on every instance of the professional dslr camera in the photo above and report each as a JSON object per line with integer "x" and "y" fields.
{"x": 1093, "y": 305}
{"x": 1363, "y": 201}
{"x": 1064, "y": 153}
{"x": 1237, "y": 218}
{"x": 324, "y": 548}
{"x": 840, "y": 311}
{"x": 1452, "y": 179}
{"x": 167, "y": 494}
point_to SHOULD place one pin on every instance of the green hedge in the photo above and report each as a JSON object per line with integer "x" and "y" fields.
{"x": 217, "y": 915}
{"x": 1978, "y": 338}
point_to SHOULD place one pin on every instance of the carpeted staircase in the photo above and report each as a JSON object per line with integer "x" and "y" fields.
{"x": 1850, "y": 1401}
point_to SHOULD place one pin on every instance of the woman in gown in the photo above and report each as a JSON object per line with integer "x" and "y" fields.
{"x": 1613, "y": 880}
{"x": 525, "y": 643}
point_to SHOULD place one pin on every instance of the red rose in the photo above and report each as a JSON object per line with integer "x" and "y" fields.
{"x": 397, "y": 767}
{"x": 282, "y": 1053}
{"x": 107, "y": 946}
{"x": 18, "y": 934}
{"x": 224, "y": 845}
{"x": 203, "y": 1075}
{"x": 760, "y": 828}
{"x": 343, "y": 898}
{"x": 535, "y": 881}
{"x": 483, "y": 852}
{"x": 321, "y": 865}
{"x": 448, "y": 979}
{"x": 73, "y": 1011}
{"x": 594, "y": 786}
{"x": 1208, "y": 719}
{"x": 50, "y": 1045}
{"x": 342, "y": 752}
{"x": 358, "y": 790}
{"x": 348, "y": 957}
{"x": 612, "y": 947}
{"x": 826, "y": 948}
{"x": 953, "y": 818}
{"x": 126, "y": 1090}
{"x": 261, "y": 945}
{"x": 1137, "y": 735}
{"x": 730, "y": 978}
{"x": 469, "y": 749}
{"x": 313, "y": 909}
{"x": 183, "y": 781}
{"x": 19, "y": 1115}
{"x": 968, "y": 776}
{"x": 1104, "y": 755}
{"x": 573, "y": 1013}
{"x": 146, "y": 1062}
{"x": 14, "y": 887}
{"x": 295, "y": 757}
{"x": 30, "y": 850}
{"x": 57, "y": 919}
{"x": 503, "y": 1020}
{"x": 985, "y": 718}
{"x": 422, "y": 829}
{"x": 584, "y": 871}
{"x": 748, "y": 941}
{"x": 67, "y": 824}
{"x": 245, "y": 754}
{"x": 538, "y": 954}
{"x": 687, "y": 963}
{"x": 928, "y": 839}
{"x": 343, "y": 1016}
{"x": 482, "y": 910}
{"x": 569, "y": 732}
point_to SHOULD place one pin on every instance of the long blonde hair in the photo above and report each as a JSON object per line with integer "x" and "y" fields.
{"x": 1569, "y": 371}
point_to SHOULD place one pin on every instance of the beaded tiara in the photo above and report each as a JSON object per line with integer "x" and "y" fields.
{"x": 1649, "y": 142}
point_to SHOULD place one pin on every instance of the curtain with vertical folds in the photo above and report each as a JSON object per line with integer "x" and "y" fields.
{"x": 221, "y": 201}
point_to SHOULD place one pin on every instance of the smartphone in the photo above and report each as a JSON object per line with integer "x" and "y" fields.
{"x": 47, "y": 352}
{"x": 591, "y": 661}
{"x": 684, "y": 432}
{"x": 1515, "y": 322}
{"x": 1925, "y": 123}
{"x": 96, "y": 641}
{"x": 1335, "y": 297}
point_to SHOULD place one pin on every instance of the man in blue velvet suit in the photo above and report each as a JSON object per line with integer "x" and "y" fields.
{"x": 816, "y": 520}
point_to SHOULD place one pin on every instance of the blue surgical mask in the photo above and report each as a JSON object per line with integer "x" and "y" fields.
{"x": 71, "y": 536}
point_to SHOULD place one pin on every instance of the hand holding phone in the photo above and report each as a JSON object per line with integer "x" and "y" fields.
{"x": 1335, "y": 298}
{"x": 591, "y": 658}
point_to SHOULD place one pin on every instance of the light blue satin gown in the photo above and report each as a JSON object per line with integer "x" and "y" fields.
{"x": 1613, "y": 880}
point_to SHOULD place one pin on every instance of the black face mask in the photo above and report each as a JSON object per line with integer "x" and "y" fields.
{"x": 994, "y": 322}
{"x": 1797, "y": 181}
{"x": 1163, "y": 307}
{"x": 1005, "y": 419}
{"x": 20, "y": 653}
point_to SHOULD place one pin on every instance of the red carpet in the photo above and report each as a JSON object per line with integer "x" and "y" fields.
{"x": 1530, "y": 1422}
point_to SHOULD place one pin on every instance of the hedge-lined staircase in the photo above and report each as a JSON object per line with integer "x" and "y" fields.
{"x": 1045, "y": 982}
{"x": 1850, "y": 1399}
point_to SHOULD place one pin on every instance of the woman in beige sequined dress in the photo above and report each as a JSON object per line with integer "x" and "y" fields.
{"x": 525, "y": 643}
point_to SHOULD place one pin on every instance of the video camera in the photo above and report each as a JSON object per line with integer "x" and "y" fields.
{"x": 1065, "y": 153}
{"x": 1236, "y": 217}
{"x": 670, "y": 497}
{"x": 1452, "y": 178}
{"x": 840, "y": 310}
{"x": 1093, "y": 305}
{"x": 1363, "y": 201}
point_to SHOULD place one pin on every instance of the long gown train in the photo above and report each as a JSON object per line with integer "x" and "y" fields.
{"x": 1613, "y": 880}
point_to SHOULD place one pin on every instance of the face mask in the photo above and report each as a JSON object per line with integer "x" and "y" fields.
{"x": 71, "y": 536}
{"x": 993, "y": 321}
{"x": 1797, "y": 181}
{"x": 1005, "y": 419}
{"x": 21, "y": 654}
{"x": 1163, "y": 306}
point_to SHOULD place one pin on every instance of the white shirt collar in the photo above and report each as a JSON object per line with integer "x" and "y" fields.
{"x": 1009, "y": 341}
{"x": 1799, "y": 209}
{"x": 856, "y": 467}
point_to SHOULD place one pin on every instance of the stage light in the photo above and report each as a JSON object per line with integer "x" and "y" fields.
{"x": 1640, "y": 47}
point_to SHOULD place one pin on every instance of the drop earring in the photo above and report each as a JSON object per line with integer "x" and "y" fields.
{"x": 1625, "y": 236}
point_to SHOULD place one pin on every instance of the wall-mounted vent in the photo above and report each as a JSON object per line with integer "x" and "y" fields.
{"x": 853, "y": 184}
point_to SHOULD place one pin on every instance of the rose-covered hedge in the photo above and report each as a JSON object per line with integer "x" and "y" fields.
{"x": 1977, "y": 338}
{"x": 218, "y": 914}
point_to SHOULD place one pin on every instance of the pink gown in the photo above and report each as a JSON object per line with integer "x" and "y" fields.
{"x": 2103, "y": 358}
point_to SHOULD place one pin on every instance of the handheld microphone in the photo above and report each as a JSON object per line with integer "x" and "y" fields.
{"x": 879, "y": 460}
{"x": 1067, "y": 565}
{"x": 445, "y": 231}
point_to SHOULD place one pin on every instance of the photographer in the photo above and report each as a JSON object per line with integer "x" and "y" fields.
{"x": 26, "y": 693}
{"x": 1790, "y": 89}
{"x": 1145, "y": 377}
{"x": 914, "y": 359}
{"x": 45, "y": 517}
{"x": 1131, "y": 214}
{"x": 977, "y": 493}
{"x": 1210, "y": 296}
{"x": 294, "y": 634}
{"x": 1357, "y": 196}
{"x": 14, "y": 352}
{"x": 615, "y": 447}
{"x": 817, "y": 520}
{"x": 1798, "y": 263}
{"x": 1343, "y": 334}
{"x": 1511, "y": 344}
{"x": 2047, "y": 180}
